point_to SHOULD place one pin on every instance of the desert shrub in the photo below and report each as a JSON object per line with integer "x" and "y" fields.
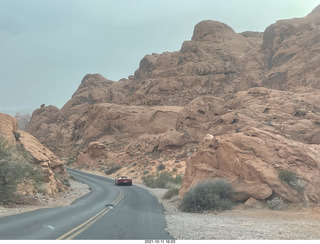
{"x": 12, "y": 174}
{"x": 4, "y": 149}
{"x": 42, "y": 189}
{"x": 69, "y": 161}
{"x": 161, "y": 180}
{"x": 112, "y": 170}
{"x": 9, "y": 179}
{"x": 208, "y": 195}
{"x": 171, "y": 193}
{"x": 64, "y": 180}
{"x": 291, "y": 179}
{"x": 276, "y": 204}
{"x": 161, "y": 167}
{"x": 158, "y": 181}
{"x": 16, "y": 134}
{"x": 178, "y": 179}
{"x": 287, "y": 176}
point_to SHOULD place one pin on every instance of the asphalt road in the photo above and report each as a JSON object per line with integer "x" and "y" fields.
{"x": 108, "y": 212}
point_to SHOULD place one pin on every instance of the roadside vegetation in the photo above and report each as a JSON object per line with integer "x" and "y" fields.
{"x": 112, "y": 169}
{"x": 207, "y": 196}
{"x": 276, "y": 203}
{"x": 164, "y": 179}
{"x": 16, "y": 169}
{"x": 291, "y": 178}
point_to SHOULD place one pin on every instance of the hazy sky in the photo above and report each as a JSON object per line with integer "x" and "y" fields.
{"x": 47, "y": 46}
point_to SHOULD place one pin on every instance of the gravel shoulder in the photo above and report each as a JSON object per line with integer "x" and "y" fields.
{"x": 237, "y": 224}
{"x": 240, "y": 223}
{"x": 75, "y": 191}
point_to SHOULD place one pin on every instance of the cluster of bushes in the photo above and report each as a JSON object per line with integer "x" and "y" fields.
{"x": 162, "y": 180}
{"x": 208, "y": 195}
{"x": 14, "y": 170}
{"x": 214, "y": 194}
{"x": 5, "y": 151}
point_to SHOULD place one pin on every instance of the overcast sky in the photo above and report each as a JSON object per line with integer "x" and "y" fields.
{"x": 48, "y": 46}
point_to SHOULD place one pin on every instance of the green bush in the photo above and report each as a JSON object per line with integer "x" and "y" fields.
{"x": 171, "y": 193}
{"x": 208, "y": 195}
{"x": 178, "y": 180}
{"x": 161, "y": 167}
{"x": 69, "y": 161}
{"x": 287, "y": 176}
{"x": 16, "y": 134}
{"x": 161, "y": 180}
{"x": 10, "y": 177}
{"x": 292, "y": 180}
{"x": 64, "y": 180}
{"x": 4, "y": 149}
{"x": 12, "y": 174}
{"x": 276, "y": 204}
{"x": 113, "y": 169}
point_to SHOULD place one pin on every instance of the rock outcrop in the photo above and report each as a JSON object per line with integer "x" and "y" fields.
{"x": 292, "y": 54}
{"x": 251, "y": 160}
{"x": 36, "y": 153}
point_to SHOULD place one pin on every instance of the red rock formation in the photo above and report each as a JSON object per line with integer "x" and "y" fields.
{"x": 38, "y": 154}
{"x": 220, "y": 83}
{"x": 251, "y": 161}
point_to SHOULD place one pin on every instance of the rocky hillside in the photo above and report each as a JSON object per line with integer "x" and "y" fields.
{"x": 241, "y": 106}
{"x": 26, "y": 166}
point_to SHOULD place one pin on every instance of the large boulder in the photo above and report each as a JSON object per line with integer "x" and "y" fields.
{"x": 251, "y": 160}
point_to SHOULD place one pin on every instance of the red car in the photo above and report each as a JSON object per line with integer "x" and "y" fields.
{"x": 123, "y": 180}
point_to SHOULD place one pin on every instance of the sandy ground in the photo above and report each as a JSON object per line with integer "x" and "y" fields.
{"x": 239, "y": 223}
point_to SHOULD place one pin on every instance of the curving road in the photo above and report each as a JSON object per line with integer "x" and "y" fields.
{"x": 107, "y": 212}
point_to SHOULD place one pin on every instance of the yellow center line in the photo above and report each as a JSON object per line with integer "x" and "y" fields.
{"x": 85, "y": 225}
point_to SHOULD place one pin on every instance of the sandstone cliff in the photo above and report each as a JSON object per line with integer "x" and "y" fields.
{"x": 236, "y": 87}
{"x": 25, "y": 149}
